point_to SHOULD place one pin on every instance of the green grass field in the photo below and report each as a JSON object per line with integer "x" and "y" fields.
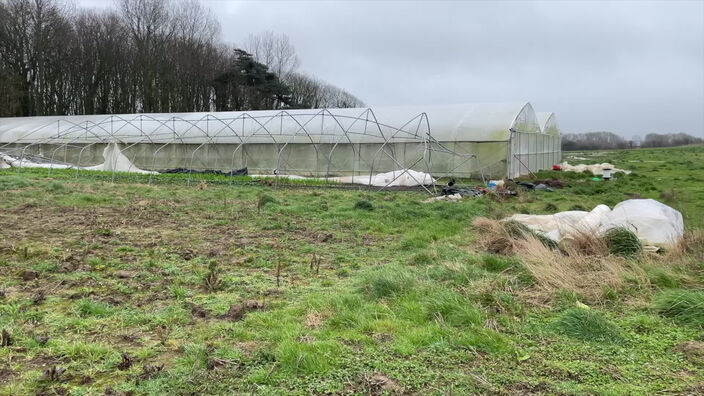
{"x": 128, "y": 288}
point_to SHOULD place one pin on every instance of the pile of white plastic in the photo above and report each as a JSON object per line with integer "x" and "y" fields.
{"x": 398, "y": 178}
{"x": 596, "y": 169}
{"x": 447, "y": 198}
{"x": 114, "y": 161}
{"x": 653, "y": 222}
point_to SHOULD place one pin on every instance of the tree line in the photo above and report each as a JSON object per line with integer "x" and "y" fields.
{"x": 144, "y": 56}
{"x": 610, "y": 140}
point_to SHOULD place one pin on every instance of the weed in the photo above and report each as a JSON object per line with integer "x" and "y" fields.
{"x": 684, "y": 306}
{"x": 386, "y": 282}
{"x": 449, "y": 307}
{"x": 263, "y": 200}
{"x": 307, "y": 358}
{"x": 422, "y": 258}
{"x": 13, "y": 183}
{"x": 495, "y": 263}
{"x": 211, "y": 280}
{"x": 587, "y": 325}
{"x": 623, "y": 242}
{"x": 85, "y": 308}
{"x": 363, "y": 204}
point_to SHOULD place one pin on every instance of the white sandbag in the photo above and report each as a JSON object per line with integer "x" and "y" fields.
{"x": 652, "y": 221}
{"x": 595, "y": 169}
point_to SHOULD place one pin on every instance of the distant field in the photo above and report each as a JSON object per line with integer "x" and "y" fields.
{"x": 217, "y": 289}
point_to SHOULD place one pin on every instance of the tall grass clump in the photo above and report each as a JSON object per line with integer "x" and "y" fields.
{"x": 623, "y": 242}
{"x": 307, "y": 358}
{"x": 13, "y": 182}
{"x": 85, "y": 308}
{"x": 363, "y": 204}
{"x": 521, "y": 231}
{"x": 451, "y": 308}
{"x": 386, "y": 282}
{"x": 684, "y": 306}
{"x": 587, "y": 325}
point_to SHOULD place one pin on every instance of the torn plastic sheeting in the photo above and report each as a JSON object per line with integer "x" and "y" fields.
{"x": 399, "y": 178}
{"x": 596, "y": 169}
{"x": 114, "y": 161}
{"x": 653, "y": 222}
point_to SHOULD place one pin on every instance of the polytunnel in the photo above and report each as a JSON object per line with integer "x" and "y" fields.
{"x": 460, "y": 140}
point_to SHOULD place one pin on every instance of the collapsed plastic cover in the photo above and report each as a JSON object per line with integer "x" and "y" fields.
{"x": 114, "y": 161}
{"x": 397, "y": 178}
{"x": 652, "y": 221}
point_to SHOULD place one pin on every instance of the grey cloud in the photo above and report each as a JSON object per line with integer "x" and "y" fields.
{"x": 630, "y": 67}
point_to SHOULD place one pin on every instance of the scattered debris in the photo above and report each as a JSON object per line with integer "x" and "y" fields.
{"x": 38, "y": 297}
{"x": 463, "y": 191}
{"x": 198, "y": 311}
{"x": 554, "y": 183}
{"x": 5, "y": 338}
{"x": 378, "y": 382}
{"x": 53, "y": 373}
{"x": 450, "y": 198}
{"x": 85, "y": 380}
{"x": 28, "y": 275}
{"x": 126, "y": 362}
{"x": 122, "y": 274}
{"x": 324, "y": 237}
{"x": 237, "y": 311}
{"x": 149, "y": 371}
{"x": 236, "y": 172}
{"x": 314, "y": 319}
{"x": 693, "y": 350}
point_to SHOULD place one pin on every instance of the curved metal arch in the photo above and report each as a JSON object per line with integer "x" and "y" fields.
{"x": 345, "y": 134}
{"x": 397, "y": 130}
{"x": 210, "y": 141}
{"x": 303, "y": 128}
{"x": 58, "y": 136}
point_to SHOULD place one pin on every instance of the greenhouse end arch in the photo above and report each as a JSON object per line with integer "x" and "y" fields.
{"x": 460, "y": 140}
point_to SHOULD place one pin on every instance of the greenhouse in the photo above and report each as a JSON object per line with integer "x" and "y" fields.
{"x": 461, "y": 140}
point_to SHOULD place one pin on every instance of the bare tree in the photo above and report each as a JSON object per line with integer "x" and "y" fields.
{"x": 143, "y": 56}
{"x": 274, "y": 50}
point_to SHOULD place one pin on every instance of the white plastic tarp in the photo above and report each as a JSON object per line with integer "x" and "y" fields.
{"x": 653, "y": 222}
{"x": 596, "y": 169}
{"x": 398, "y": 178}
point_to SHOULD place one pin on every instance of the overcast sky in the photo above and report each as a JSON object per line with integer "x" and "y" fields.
{"x": 630, "y": 67}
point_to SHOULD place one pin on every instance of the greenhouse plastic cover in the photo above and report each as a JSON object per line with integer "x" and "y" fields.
{"x": 652, "y": 221}
{"x": 548, "y": 123}
{"x": 449, "y": 123}
{"x": 114, "y": 161}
